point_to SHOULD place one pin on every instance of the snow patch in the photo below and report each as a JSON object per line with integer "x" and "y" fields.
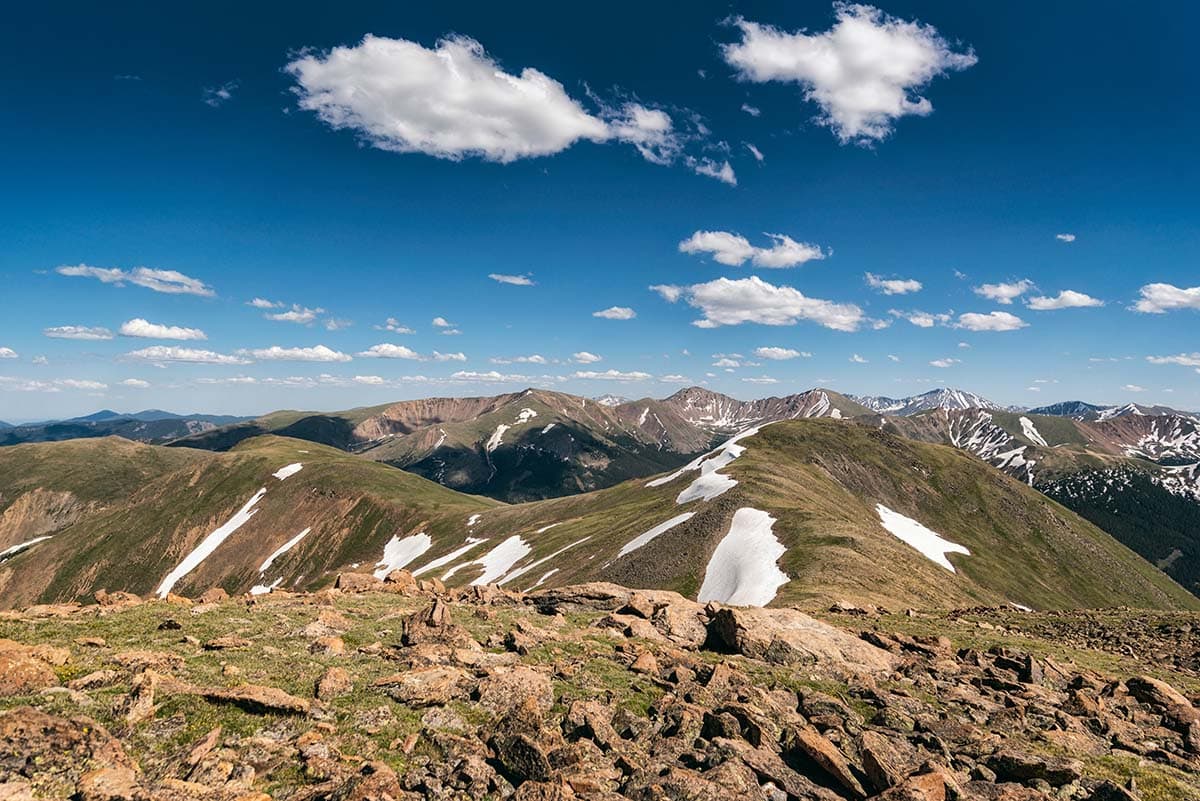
{"x": 523, "y": 570}
{"x": 525, "y": 415}
{"x": 497, "y": 437}
{"x": 710, "y": 484}
{"x": 547, "y": 428}
{"x": 400, "y": 552}
{"x": 289, "y": 470}
{"x": 210, "y": 544}
{"x": 287, "y": 546}
{"x": 499, "y": 560}
{"x": 263, "y": 589}
{"x": 472, "y": 520}
{"x": 16, "y": 549}
{"x": 743, "y": 569}
{"x": 661, "y": 528}
{"x": 1031, "y": 433}
{"x": 542, "y": 580}
{"x": 450, "y": 557}
{"x": 928, "y": 542}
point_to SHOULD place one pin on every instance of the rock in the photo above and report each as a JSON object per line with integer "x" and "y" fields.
{"x": 21, "y": 672}
{"x": 1109, "y": 791}
{"x": 111, "y": 599}
{"x": 91, "y": 642}
{"x": 400, "y": 581}
{"x": 334, "y": 683}
{"x": 1165, "y": 698}
{"x": 682, "y": 621}
{"x": 506, "y": 689}
{"x": 788, "y": 636}
{"x": 148, "y": 660}
{"x": 594, "y": 596}
{"x": 213, "y": 596}
{"x": 138, "y": 706}
{"x": 881, "y": 761}
{"x": 55, "y": 751}
{"x": 258, "y": 699}
{"x": 922, "y": 787}
{"x": 358, "y": 582}
{"x": 111, "y": 784}
{"x": 375, "y": 781}
{"x": 97, "y": 678}
{"x": 228, "y": 642}
{"x": 431, "y": 624}
{"x": 825, "y": 754}
{"x": 16, "y": 791}
{"x": 435, "y": 685}
{"x": 645, "y": 664}
{"x": 328, "y": 646}
{"x": 1011, "y": 765}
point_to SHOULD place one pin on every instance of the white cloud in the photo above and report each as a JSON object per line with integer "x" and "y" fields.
{"x": 453, "y": 101}
{"x": 174, "y": 353}
{"x": 77, "y": 332}
{"x": 316, "y": 353}
{"x": 858, "y": 359}
{"x": 964, "y": 345}
{"x": 297, "y": 314}
{"x": 515, "y": 280}
{"x": 386, "y": 350}
{"x": 442, "y": 322}
{"x": 994, "y": 321}
{"x": 754, "y": 151}
{"x": 1004, "y": 293}
{"x": 1133, "y": 388}
{"x": 611, "y": 375}
{"x": 1066, "y": 299}
{"x": 488, "y": 377}
{"x": 135, "y": 383}
{"x": 12, "y": 384}
{"x": 726, "y": 362}
{"x": 893, "y": 286}
{"x": 721, "y": 170}
{"x": 616, "y": 313}
{"x": 137, "y": 327}
{"x": 1065, "y": 237}
{"x": 438, "y": 356}
{"x": 219, "y": 95}
{"x": 335, "y": 324}
{"x": 450, "y": 332}
{"x": 263, "y": 303}
{"x": 864, "y": 72}
{"x": 1160, "y": 298}
{"x": 762, "y": 379}
{"x": 727, "y": 301}
{"x": 780, "y": 354}
{"x": 35, "y": 359}
{"x": 751, "y": 110}
{"x": 893, "y": 357}
{"x": 1183, "y": 359}
{"x": 734, "y": 250}
{"x": 534, "y": 358}
{"x": 668, "y": 292}
{"x": 8, "y": 353}
{"x": 944, "y": 362}
{"x": 922, "y": 319}
{"x": 394, "y": 325}
{"x": 584, "y": 357}
{"x": 674, "y": 378}
{"x": 372, "y": 380}
{"x": 169, "y": 282}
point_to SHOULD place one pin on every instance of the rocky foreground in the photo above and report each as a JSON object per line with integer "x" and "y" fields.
{"x": 398, "y": 689}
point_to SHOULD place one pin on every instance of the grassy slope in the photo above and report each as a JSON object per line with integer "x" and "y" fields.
{"x": 819, "y": 478}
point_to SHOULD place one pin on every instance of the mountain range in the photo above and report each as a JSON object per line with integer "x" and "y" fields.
{"x": 935, "y": 503}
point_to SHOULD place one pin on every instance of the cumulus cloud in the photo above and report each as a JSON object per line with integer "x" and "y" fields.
{"x": 533, "y": 358}
{"x": 1066, "y": 299}
{"x": 1161, "y": 298}
{"x": 442, "y": 322}
{"x": 1133, "y": 388}
{"x": 453, "y": 101}
{"x": 674, "y": 378}
{"x": 263, "y": 303}
{"x": 1183, "y": 359}
{"x": 751, "y": 110}
{"x": 893, "y": 286}
{"x": 864, "y": 73}
{"x": 922, "y": 319}
{"x": 726, "y": 301}
{"x": 316, "y": 353}
{"x": 297, "y": 314}
{"x": 489, "y": 376}
{"x": 1065, "y": 237}
{"x": 135, "y": 383}
{"x": 169, "y": 282}
{"x": 721, "y": 170}
{"x": 780, "y": 354}
{"x": 669, "y": 292}
{"x": 584, "y": 357}
{"x": 335, "y": 324}
{"x": 610, "y": 375}
{"x": 138, "y": 327}
{"x": 458, "y": 356}
{"x": 394, "y": 325}
{"x": 8, "y": 353}
{"x": 616, "y": 313}
{"x": 173, "y": 353}
{"x": 993, "y": 321}
{"x": 12, "y": 384}
{"x": 1004, "y": 293}
{"x": 734, "y": 250}
{"x": 515, "y": 280}
{"x": 858, "y": 359}
{"x": 944, "y": 362}
{"x": 386, "y": 350}
{"x": 77, "y": 332}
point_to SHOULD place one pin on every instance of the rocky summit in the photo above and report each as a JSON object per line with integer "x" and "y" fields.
{"x": 400, "y": 689}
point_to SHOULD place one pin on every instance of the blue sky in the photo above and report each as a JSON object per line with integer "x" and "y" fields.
{"x": 233, "y": 154}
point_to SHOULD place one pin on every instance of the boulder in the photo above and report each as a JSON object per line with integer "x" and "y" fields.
{"x": 213, "y": 595}
{"x": 428, "y": 686}
{"x": 358, "y": 582}
{"x": 334, "y": 683}
{"x": 258, "y": 699}
{"x": 507, "y": 688}
{"x": 788, "y": 636}
{"x": 1017, "y": 766}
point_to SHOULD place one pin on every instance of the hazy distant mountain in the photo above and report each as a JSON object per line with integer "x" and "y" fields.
{"x": 934, "y": 399}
